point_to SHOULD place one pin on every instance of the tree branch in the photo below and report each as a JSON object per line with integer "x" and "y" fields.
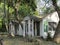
{"x": 56, "y": 7}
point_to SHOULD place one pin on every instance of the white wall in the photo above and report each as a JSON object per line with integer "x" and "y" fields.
{"x": 50, "y": 18}
{"x": 12, "y": 30}
{"x": 20, "y": 31}
{"x": 42, "y": 33}
{"x": 41, "y": 28}
{"x": 55, "y": 17}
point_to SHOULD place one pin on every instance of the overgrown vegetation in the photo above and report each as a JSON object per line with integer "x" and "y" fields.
{"x": 18, "y": 9}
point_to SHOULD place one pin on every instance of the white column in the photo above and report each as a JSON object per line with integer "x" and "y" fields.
{"x": 29, "y": 28}
{"x": 40, "y": 26}
{"x": 24, "y": 29}
{"x": 35, "y": 30}
{"x": 32, "y": 27}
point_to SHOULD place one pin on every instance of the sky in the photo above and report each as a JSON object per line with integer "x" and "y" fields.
{"x": 43, "y": 3}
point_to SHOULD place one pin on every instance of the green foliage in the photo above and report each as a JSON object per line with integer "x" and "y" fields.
{"x": 0, "y": 23}
{"x": 1, "y": 13}
{"x": 30, "y": 3}
{"x": 11, "y": 10}
{"x": 25, "y": 10}
{"x": 23, "y": 7}
{"x": 36, "y": 13}
{"x": 1, "y": 5}
{"x": 49, "y": 10}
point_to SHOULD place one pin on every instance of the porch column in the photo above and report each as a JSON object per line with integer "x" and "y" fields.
{"x": 24, "y": 29}
{"x": 35, "y": 30}
{"x": 29, "y": 33}
{"x": 32, "y": 27}
{"x": 40, "y": 26}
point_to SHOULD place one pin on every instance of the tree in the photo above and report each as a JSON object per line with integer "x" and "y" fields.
{"x": 44, "y": 6}
{"x": 57, "y": 34}
{"x": 17, "y": 10}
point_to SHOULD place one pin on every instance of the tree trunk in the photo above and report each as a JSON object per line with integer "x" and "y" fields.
{"x": 57, "y": 34}
{"x": 5, "y": 16}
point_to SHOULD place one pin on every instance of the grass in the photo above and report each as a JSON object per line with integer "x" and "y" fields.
{"x": 21, "y": 41}
{"x": 15, "y": 41}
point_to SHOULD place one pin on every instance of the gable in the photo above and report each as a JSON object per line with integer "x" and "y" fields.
{"x": 36, "y": 18}
{"x": 53, "y": 17}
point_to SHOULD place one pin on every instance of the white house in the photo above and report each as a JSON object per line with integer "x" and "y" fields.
{"x": 40, "y": 26}
{"x": 35, "y": 26}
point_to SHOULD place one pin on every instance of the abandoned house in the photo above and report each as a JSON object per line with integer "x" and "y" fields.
{"x": 36, "y": 26}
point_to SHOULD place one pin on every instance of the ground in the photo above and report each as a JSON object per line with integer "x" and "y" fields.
{"x": 22, "y": 41}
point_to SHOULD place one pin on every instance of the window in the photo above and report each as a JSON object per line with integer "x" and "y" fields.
{"x": 45, "y": 26}
{"x": 50, "y": 28}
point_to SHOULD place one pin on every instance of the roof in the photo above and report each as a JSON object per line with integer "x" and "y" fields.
{"x": 38, "y": 17}
{"x": 35, "y": 17}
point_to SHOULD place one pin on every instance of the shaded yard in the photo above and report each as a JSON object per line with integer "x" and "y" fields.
{"x": 16, "y": 41}
{"x": 22, "y": 41}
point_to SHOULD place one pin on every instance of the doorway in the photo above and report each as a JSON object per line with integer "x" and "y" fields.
{"x": 37, "y": 28}
{"x": 16, "y": 28}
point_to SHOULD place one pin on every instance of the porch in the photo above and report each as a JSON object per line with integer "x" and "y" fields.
{"x": 31, "y": 26}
